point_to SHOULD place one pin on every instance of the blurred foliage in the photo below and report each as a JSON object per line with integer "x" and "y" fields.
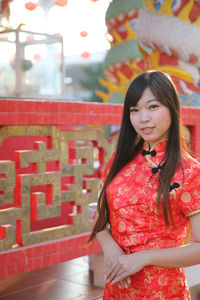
{"x": 90, "y": 81}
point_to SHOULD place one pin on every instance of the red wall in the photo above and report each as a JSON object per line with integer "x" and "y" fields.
{"x": 65, "y": 115}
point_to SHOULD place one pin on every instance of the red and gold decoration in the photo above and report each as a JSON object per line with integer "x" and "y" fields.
{"x": 167, "y": 35}
{"x": 49, "y": 175}
{"x": 45, "y": 183}
{"x": 123, "y": 61}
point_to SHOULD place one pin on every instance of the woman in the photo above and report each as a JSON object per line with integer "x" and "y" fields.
{"x": 150, "y": 194}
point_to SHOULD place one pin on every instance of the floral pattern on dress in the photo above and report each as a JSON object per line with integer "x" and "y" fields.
{"x": 138, "y": 224}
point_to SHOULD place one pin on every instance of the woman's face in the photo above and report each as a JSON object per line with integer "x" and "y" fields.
{"x": 150, "y": 118}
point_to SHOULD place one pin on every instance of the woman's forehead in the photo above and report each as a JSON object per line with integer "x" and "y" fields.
{"x": 146, "y": 101}
{"x": 146, "y": 97}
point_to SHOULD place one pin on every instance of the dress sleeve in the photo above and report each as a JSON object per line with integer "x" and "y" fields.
{"x": 190, "y": 196}
{"x": 107, "y": 168}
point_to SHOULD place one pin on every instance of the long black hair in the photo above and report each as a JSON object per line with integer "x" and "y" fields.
{"x": 129, "y": 144}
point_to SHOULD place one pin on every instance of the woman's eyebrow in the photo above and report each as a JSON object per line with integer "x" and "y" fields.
{"x": 152, "y": 100}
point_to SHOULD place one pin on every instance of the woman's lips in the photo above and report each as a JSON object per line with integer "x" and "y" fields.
{"x": 147, "y": 130}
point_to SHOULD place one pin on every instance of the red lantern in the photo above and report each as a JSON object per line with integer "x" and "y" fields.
{"x": 60, "y": 2}
{"x": 31, "y": 6}
{"x": 57, "y": 34}
{"x": 83, "y": 33}
{"x": 94, "y": 0}
{"x": 30, "y": 37}
{"x": 85, "y": 55}
{"x": 37, "y": 57}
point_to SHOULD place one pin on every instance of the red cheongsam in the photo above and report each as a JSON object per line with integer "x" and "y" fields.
{"x": 137, "y": 223}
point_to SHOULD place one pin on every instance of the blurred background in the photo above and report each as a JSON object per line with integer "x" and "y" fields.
{"x": 82, "y": 51}
{"x": 63, "y": 46}
{"x": 90, "y": 50}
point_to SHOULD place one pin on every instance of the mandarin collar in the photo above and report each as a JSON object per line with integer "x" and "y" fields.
{"x": 158, "y": 150}
{"x": 159, "y": 146}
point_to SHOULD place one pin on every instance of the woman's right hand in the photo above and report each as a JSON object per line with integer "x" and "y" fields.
{"x": 111, "y": 255}
{"x": 111, "y": 251}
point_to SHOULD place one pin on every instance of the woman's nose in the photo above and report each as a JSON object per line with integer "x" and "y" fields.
{"x": 144, "y": 116}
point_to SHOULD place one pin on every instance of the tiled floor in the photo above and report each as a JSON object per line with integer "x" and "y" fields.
{"x": 65, "y": 281}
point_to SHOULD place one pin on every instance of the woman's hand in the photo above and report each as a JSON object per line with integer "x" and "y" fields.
{"x": 111, "y": 259}
{"x": 112, "y": 251}
{"x": 127, "y": 265}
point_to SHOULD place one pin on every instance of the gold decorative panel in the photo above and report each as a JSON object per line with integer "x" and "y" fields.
{"x": 74, "y": 155}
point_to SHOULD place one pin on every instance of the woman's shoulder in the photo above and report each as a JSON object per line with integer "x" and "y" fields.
{"x": 190, "y": 164}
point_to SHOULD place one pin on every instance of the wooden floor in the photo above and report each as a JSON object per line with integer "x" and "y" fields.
{"x": 65, "y": 281}
{"x": 195, "y": 292}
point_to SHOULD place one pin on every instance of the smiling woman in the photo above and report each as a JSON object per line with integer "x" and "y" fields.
{"x": 150, "y": 118}
{"x": 150, "y": 195}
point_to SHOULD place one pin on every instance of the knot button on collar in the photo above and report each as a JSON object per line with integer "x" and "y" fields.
{"x": 146, "y": 152}
{"x": 173, "y": 186}
{"x": 156, "y": 169}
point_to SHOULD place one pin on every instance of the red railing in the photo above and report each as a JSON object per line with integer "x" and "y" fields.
{"x": 51, "y": 158}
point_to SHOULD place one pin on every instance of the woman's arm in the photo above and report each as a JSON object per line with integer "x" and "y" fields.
{"x": 112, "y": 251}
{"x": 181, "y": 256}
{"x": 168, "y": 257}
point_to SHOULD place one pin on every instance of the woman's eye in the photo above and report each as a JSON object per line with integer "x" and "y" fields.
{"x": 153, "y": 106}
